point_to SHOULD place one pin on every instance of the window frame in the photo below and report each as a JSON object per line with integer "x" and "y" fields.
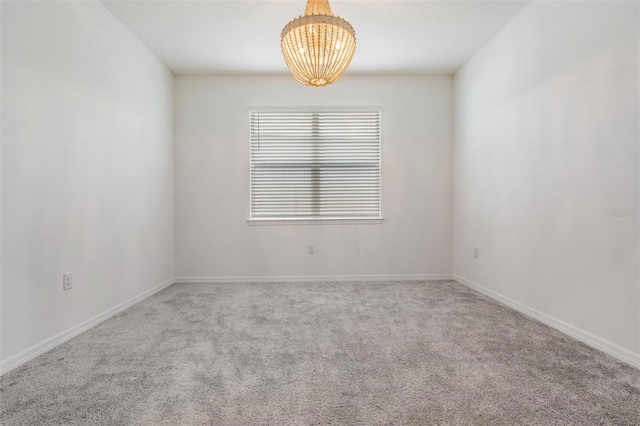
{"x": 309, "y": 220}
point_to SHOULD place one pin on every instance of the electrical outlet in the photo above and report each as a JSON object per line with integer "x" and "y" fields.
{"x": 67, "y": 281}
{"x": 475, "y": 252}
{"x": 311, "y": 249}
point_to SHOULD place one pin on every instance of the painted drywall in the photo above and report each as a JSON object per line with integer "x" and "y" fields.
{"x": 546, "y": 166}
{"x": 213, "y": 238}
{"x": 87, "y": 168}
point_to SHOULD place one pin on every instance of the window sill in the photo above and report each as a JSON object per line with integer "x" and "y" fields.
{"x": 336, "y": 221}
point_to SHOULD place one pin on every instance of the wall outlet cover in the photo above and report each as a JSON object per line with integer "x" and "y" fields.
{"x": 67, "y": 281}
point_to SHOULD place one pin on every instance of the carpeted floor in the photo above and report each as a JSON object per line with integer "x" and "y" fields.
{"x": 396, "y": 353}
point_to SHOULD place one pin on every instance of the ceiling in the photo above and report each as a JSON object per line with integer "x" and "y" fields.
{"x": 243, "y": 37}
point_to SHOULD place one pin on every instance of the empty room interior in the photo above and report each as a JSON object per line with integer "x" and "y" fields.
{"x": 312, "y": 212}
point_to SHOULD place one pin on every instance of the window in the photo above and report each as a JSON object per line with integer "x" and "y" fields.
{"x": 315, "y": 164}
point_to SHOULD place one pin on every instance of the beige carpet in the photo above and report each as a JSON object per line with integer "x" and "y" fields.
{"x": 410, "y": 353}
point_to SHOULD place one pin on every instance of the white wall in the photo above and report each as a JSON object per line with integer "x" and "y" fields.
{"x": 213, "y": 238}
{"x": 546, "y": 140}
{"x": 87, "y": 168}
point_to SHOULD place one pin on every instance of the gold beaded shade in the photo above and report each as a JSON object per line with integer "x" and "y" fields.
{"x": 318, "y": 46}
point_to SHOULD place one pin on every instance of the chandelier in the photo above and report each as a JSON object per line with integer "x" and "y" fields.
{"x": 318, "y": 46}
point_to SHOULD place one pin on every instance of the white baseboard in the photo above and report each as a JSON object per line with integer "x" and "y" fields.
{"x": 316, "y": 278}
{"x": 592, "y": 340}
{"x": 50, "y": 343}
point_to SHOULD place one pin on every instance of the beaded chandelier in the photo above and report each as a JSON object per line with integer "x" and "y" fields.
{"x": 318, "y": 46}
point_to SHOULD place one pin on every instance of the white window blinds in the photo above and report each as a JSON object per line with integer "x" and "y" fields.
{"x": 315, "y": 164}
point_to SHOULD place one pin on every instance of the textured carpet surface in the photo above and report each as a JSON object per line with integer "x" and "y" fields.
{"x": 405, "y": 353}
